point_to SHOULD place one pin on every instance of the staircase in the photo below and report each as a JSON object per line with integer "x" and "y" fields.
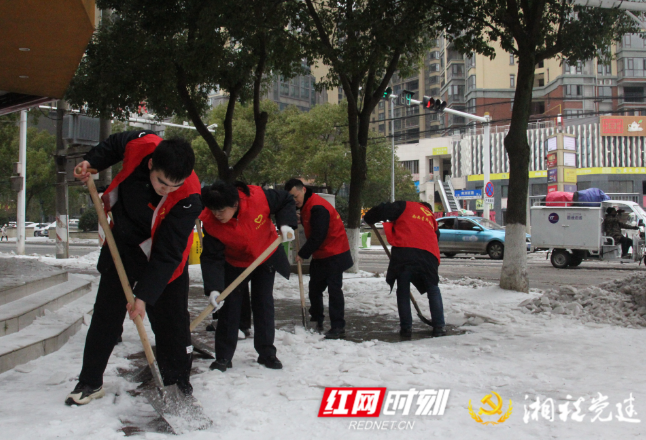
{"x": 448, "y": 197}
{"x": 38, "y": 317}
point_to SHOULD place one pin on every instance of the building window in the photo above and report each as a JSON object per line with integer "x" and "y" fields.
{"x": 537, "y": 107}
{"x": 411, "y": 165}
{"x": 540, "y": 65}
{"x": 620, "y": 186}
{"x": 382, "y": 128}
{"x": 470, "y": 61}
{"x": 626, "y": 40}
{"x": 471, "y": 82}
{"x": 634, "y": 94}
{"x": 505, "y": 191}
{"x": 382, "y": 105}
{"x": 412, "y": 85}
{"x": 512, "y": 81}
{"x": 511, "y": 59}
{"x": 539, "y": 189}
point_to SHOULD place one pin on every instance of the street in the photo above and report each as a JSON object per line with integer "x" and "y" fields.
{"x": 542, "y": 275}
{"x": 76, "y": 250}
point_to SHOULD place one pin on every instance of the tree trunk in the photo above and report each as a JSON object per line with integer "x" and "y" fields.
{"x": 358, "y": 177}
{"x": 514, "y": 268}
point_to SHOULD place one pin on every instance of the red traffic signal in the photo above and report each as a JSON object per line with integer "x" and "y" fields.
{"x": 433, "y": 104}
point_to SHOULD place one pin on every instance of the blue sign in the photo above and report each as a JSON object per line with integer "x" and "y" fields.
{"x": 467, "y": 194}
{"x": 553, "y": 218}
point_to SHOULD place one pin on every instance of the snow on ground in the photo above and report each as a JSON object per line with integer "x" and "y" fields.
{"x": 521, "y": 356}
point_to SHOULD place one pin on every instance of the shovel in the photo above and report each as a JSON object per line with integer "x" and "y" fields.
{"x": 300, "y": 281}
{"x": 412, "y": 298}
{"x": 144, "y": 373}
{"x": 182, "y": 413}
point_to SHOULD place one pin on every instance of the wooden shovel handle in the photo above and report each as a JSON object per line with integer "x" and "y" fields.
{"x": 231, "y": 287}
{"x": 300, "y": 273}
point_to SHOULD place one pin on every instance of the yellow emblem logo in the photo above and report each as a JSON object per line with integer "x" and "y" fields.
{"x": 426, "y": 211}
{"x": 258, "y": 219}
{"x": 490, "y": 408}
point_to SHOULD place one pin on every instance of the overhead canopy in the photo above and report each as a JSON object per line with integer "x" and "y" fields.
{"x": 41, "y": 45}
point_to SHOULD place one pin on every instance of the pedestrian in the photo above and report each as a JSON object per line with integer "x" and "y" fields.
{"x": 4, "y": 233}
{"x": 613, "y": 226}
{"x": 327, "y": 244}
{"x": 412, "y": 232}
{"x": 154, "y": 201}
{"x": 237, "y": 230}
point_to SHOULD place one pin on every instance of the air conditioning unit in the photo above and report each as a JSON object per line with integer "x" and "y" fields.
{"x": 81, "y": 130}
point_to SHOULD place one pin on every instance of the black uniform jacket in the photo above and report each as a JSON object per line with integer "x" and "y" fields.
{"x": 422, "y": 264}
{"x": 320, "y": 222}
{"x": 133, "y": 213}
{"x": 281, "y": 205}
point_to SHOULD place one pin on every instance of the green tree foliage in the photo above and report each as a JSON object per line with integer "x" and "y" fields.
{"x": 41, "y": 169}
{"x": 89, "y": 221}
{"x": 170, "y": 53}
{"x": 364, "y": 42}
{"x": 533, "y": 31}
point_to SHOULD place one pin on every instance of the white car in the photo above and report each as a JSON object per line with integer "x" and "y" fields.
{"x": 42, "y": 229}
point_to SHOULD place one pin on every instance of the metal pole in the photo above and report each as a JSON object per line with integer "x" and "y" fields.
{"x": 62, "y": 224}
{"x": 392, "y": 132}
{"x": 22, "y": 158}
{"x": 486, "y": 163}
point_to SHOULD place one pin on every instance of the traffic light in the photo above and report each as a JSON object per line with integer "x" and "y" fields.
{"x": 388, "y": 92}
{"x": 434, "y": 105}
{"x": 405, "y": 96}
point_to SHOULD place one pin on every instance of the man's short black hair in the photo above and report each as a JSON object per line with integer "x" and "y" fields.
{"x": 222, "y": 194}
{"x": 294, "y": 183}
{"x": 610, "y": 210}
{"x": 175, "y": 158}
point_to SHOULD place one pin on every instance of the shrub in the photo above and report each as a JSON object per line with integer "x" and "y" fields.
{"x": 89, "y": 221}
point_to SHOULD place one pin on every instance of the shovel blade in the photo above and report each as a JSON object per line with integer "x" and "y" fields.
{"x": 203, "y": 349}
{"x": 182, "y": 413}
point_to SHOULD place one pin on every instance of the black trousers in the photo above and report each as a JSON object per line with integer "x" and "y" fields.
{"x": 245, "y": 310}
{"x": 169, "y": 319}
{"x": 626, "y": 243}
{"x": 262, "y": 306}
{"x": 323, "y": 277}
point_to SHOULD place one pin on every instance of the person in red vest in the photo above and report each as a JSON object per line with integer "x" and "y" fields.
{"x": 154, "y": 201}
{"x": 327, "y": 244}
{"x": 237, "y": 229}
{"x": 412, "y": 232}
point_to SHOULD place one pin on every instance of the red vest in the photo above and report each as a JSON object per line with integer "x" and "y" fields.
{"x": 249, "y": 234}
{"x": 336, "y": 241}
{"x": 136, "y": 151}
{"x": 415, "y": 228}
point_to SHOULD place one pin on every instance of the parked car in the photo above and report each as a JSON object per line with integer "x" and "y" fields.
{"x": 42, "y": 229}
{"x": 473, "y": 235}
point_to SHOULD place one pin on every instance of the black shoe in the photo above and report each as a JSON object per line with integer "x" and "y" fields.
{"x": 319, "y": 326}
{"x": 270, "y": 362}
{"x": 335, "y": 333}
{"x": 438, "y": 331}
{"x": 185, "y": 387}
{"x": 84, "y": 394}
{"x": 246, "y": 332}
{"x": 221, "y": 364}
{"x": 406, "y": 333}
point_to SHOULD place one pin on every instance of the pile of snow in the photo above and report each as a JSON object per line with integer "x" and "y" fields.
{"x": 475, "y": 283}
{"x": 618, "y": 302}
